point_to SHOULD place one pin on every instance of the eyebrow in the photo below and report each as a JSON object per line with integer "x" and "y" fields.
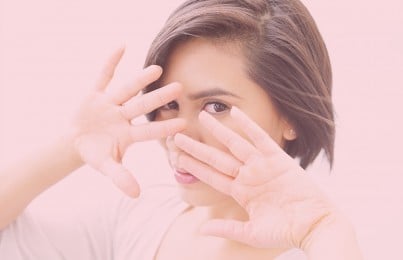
{"x": 212, "y": 92}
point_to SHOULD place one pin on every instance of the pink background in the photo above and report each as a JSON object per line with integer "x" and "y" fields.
{"x": 51, "y": 52}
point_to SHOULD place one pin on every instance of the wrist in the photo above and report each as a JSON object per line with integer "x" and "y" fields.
{"x": 67, "y": 143}
{"x": 333, "y": 238}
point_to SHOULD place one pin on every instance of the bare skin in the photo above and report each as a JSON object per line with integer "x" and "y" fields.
{"x": 256, "y": 200}
{"x": 184, "y": 241}
{"x": 253, "y": 213}
{"x": 99, "y": 135}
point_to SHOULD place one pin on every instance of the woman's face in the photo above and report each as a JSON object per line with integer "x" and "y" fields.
{"x": 214, "y": 79}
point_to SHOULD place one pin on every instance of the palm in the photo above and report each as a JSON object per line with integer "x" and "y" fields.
{"x": 105, "y": 132}
{"x": 283, "y": 204}
{"x": 288, "y": 204}
{"x": 102, "y": 126}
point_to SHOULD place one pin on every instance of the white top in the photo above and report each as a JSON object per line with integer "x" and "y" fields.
{"x": 129, "y": 229}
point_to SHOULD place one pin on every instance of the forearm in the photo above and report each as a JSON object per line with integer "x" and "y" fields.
{"x": 21, "y": 183}
{"x": 335, "y": 241}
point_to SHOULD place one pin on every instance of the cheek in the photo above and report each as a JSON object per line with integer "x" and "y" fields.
{"x": 274, "y": 130}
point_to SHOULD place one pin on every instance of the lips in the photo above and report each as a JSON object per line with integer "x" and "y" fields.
{"x": 181, "y": 176}
{"x": 184, "y": 177}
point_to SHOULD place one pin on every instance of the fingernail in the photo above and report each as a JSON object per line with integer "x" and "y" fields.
{"x": 153, "y": 68}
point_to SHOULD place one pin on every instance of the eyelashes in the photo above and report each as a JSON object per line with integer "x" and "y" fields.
{"x": 211, "y": 107}
{"x": 215, "y": 107}
{"x": 173, "y": 105}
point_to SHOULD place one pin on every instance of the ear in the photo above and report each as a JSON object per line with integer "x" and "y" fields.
{"x": 289, "y": 132}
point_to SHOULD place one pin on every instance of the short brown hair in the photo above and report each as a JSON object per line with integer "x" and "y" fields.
{"x": 285, "y": 55}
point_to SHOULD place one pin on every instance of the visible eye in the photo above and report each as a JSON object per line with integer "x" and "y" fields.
{"x": 215, "y": 107}
{"x": 173, "y": 105}
{"x": 167, "y": 111}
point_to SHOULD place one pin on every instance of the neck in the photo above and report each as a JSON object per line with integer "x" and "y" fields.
{"x": 227, "y": 209}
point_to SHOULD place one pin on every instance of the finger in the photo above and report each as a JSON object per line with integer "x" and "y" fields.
{"x": 260, "y": 138}
{"x": 230, "y": 229}
{"x": 213, "y": 157}
{"x": 121, "y": 177}
{"x": 206, "y": 174}
{"x": 238, "y": 146}
{"x": 109, "y": 69}
{"x": 157, "y": 129}
{"x": 150, "y": 101}
{"x": 148, "y": 75}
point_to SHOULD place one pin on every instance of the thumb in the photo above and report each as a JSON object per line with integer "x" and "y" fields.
{"x": 120, "y": 176}
{"x": 229, "y": 229}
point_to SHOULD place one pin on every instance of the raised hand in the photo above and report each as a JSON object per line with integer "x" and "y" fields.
{"x": 283, "y": 204}
{"x": 102, "y": 127}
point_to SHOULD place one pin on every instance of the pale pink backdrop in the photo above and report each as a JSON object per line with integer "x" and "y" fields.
{"x": 51, "y": 52}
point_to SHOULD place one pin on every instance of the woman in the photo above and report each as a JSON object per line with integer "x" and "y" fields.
{"x": 234, "y": 90}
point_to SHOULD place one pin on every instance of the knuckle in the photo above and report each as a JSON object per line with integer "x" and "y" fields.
{"x": 162, "y": 99}
{"x": 235, "y": 192}
{"x": 189, "y": 146}
{"x": 211, "y": 159}
{"x": 165, "y": 129}
{"x": 234, "y": 171}
{"x": 138, "y": 105}
{"x": 149, "y": 132}
{"x": 231, "y": 228}
{"x": 108, "y": 71}
{"x": 142, "y": 133}
{"x": 143, "y": 105}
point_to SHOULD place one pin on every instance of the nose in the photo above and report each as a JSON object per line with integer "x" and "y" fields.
{"x": 193, "y": 127}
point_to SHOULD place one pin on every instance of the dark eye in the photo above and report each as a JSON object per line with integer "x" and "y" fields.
{"x": 171, "y": 105}
{"x": 215, "y": 107}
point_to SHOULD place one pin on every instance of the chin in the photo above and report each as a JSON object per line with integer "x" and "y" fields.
{"x": 201, "y": 195}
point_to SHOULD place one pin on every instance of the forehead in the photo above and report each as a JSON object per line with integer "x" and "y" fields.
{"x": 198, "y": 63}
